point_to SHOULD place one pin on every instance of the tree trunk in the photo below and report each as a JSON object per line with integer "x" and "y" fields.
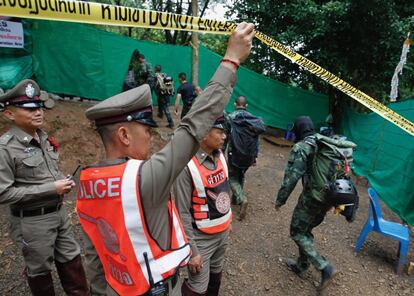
{"x": 194, "y": 41}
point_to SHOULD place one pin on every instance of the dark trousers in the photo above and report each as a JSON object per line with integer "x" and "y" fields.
{"x": 186, "y": 108}
{"x": 163, "y": 108}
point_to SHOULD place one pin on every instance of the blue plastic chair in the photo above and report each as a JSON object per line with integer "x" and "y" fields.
{"x": 390, "y": 229}
{"x": 290, "y": 135}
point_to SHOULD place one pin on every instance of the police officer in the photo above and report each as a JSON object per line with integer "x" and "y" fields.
{"x": 164, "y": 89}
{"x": 124, "y": 202}
{"x": 34, "y": 187}
{"x": 310, "y": 211}
{"x": 202, "y": 193}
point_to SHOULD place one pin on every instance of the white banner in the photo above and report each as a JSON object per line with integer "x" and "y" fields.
{"x": 11, "y": 34}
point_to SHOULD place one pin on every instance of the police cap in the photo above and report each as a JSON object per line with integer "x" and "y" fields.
{"x": 132, "y": 105}
{"x": 219, "y": 123}
{"x": 24, "y": 95}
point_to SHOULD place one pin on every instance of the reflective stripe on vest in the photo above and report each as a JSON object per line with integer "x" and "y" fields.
{"x": 115, "y": 223}
{"x": 200, "y": 207}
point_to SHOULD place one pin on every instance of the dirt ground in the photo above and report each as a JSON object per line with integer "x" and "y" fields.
{"x": 255, "y": 262}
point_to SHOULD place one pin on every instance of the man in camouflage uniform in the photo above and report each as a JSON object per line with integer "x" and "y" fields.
{"x": 164, "y": 89}
{"x": 310, "y": 210}
{"x": 144, "y": 73}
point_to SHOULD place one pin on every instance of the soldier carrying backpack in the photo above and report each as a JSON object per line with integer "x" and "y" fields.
{"x": 164, "y": 88}
{"x": 323, "y": 167}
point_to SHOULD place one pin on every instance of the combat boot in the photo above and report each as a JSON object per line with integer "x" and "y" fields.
{"x": 293, "y": 266}
{"x": 214, "y": 284}
{"x": 72, "y": 277}
{"x": 328, "y": 274}
{"x": 41, "y": 285}
{"x": 243, "y": 210}
{"x": 187, "y": 291}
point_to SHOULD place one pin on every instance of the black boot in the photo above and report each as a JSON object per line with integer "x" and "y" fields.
{"x": 214, "y": 284}
{"x": 187, "y": 291}
{"x": 72, "y": 277}
{"x": 41, "y": 285}
{"x": 243, "y": 210}
{"x": 293, "y": 265}
{"x": 328, "y": 274}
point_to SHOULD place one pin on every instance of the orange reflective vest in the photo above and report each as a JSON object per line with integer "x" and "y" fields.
{"x": 110, "y": 211}
{"x": 211, "y": 207}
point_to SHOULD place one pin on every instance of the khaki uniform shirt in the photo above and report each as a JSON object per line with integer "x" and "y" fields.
{"x": 160, "y": 171}
{"x": 28, "y": 170}
{"x": 183, "y": 192}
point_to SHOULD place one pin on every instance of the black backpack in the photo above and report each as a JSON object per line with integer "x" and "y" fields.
{"x": 244, "y": 137}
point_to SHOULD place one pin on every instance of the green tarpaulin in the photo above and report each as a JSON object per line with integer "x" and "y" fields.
{"x": 385, "y": 156}
{"x": 16, "y": 63}
{"x": 84, "y": 61}
{"x": 80, "y": 60}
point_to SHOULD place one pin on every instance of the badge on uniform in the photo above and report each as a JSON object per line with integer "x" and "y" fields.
{"x": 30, "y": 90}
{"x": 222, "y": 201}
{"x": 30, "y": 151}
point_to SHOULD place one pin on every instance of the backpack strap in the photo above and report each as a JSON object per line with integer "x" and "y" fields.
{"x": 313, "y": 142}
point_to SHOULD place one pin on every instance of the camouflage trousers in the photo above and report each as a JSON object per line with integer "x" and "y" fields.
{"x": 236, "y": 181}
{"x": 308, "y": 214}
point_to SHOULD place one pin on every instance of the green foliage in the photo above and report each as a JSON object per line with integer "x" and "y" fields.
{"x": 213, "y": 42}
{"x": 216, "y": 43}
{"x": 358, "y": 40}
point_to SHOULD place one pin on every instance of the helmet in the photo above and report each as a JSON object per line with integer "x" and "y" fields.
{"x": 342, "y": 192}
{"x": 168, "y": 79}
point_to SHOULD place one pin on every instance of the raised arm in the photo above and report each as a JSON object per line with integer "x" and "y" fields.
{"x": 163, "y": 167}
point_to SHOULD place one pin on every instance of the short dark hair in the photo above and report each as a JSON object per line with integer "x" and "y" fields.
{"x": 135, "y": 53}
{"x": 182, "y": 76}
{"x": 158, "y": 67}
{"x": 106, "y": 132}
{"x": 141, "y": 56}
{"x": 241, "y": 101}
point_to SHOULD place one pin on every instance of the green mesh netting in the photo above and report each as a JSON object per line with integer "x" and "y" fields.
{"x": 81, "y": 60}
{"x": 385, "y": 156}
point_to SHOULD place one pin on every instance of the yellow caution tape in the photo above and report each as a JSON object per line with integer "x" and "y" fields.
{"x": 105, "y": 14}
{"x": 340, "y": 84}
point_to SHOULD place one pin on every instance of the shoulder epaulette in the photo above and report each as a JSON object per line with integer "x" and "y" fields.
{"x": 4, "y": 139}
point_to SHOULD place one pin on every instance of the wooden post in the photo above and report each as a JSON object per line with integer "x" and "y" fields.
{"x": 194, "y": 41}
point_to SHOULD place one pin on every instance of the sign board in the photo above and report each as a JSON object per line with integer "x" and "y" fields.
{"x": 11, "y": 34}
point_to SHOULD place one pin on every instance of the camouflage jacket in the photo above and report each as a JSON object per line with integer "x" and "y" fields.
{"x": 299, "y": 166}
{"x": 143, "y": 73}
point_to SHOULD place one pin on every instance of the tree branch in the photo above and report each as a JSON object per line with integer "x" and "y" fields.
{"x": 204, "y": 8}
